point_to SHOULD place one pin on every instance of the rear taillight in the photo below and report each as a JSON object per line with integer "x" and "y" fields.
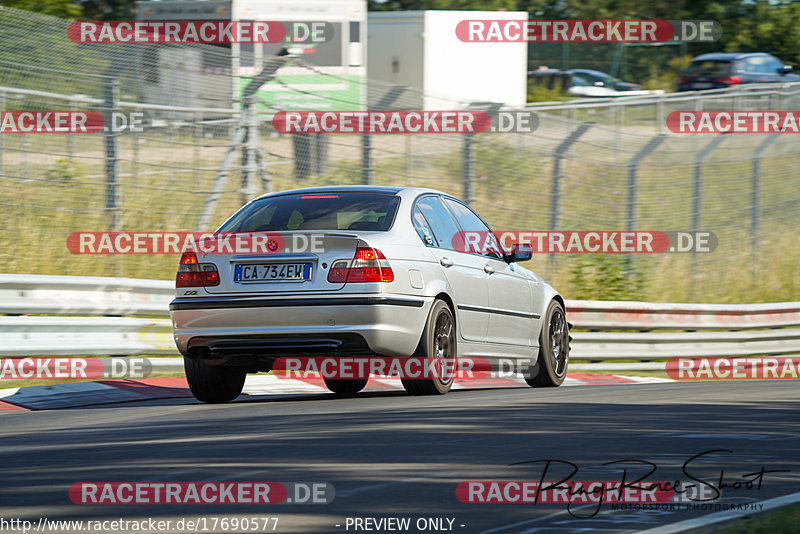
{"x": 368, "y": 265}
{"x": 730, "y": 80}
{"x": 683, "y": 79}
{"x": 193, "y": 274}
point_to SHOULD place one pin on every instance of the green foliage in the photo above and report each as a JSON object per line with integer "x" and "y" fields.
{"x": 65, "y": 171}
{"x": 605, "y": 277}
{"x": 404, "y": 5}
{"x": 65, "y": 9}
{"x": 539, "y": 93}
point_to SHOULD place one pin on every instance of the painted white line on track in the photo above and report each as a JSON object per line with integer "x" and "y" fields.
{"x": 725, "y": 515}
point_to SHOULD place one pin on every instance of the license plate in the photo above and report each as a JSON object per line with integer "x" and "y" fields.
{"x": 271, "y": 272}
{"x": 702, "y": 85}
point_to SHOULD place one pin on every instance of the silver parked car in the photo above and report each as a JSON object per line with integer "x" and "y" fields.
{"x": 385, "y": 277}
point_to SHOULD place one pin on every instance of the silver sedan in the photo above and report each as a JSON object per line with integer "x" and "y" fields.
{"x": 363, "y": 270}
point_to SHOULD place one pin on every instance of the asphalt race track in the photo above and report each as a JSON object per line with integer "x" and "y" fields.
{"x": 393, "y": 455}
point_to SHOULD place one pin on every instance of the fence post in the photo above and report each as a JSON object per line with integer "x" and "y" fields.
{"x": 135, "y": 142}
{"x": 219, "y": 181}
{"x": 321, "y": 153}
{"x": 263, "y": 167}
{"x": 71, "y": 135}
{"x": 558, "y": 154}
{"x": 366, "y": 159}
{"x": 407, "y": 159}
{"x": 697, "y": 197}
{"x": 2, "y": 138}
{"x": 248, "y": 95}
{"x": 755, "y": 189}
{"x": 633, "y": 168}
{"x": 468, "y": 155}
{"x": 248, "y": 188}
{"x": 383, "y": 104}
{"x": 111, "y": 107}
{"x": 698, "y": 179}
{"x": 198, "y": 140}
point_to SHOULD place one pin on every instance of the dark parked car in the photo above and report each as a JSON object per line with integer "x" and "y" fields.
{"x": 720, "y": 70}
{"x": 588, "y": 77}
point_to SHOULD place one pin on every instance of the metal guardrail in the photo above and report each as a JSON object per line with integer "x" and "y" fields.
{"x": 603, "y": 328}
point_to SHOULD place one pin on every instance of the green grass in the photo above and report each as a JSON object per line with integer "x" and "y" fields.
{"x": 45, "y": 195}
{"x": 776, "y": 521}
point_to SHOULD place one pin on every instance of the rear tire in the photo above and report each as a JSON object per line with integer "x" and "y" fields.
{"x": 438, "y": 346}
{"x": 345, "y": 386}
{"x": 553, "y": 349}
{"x": 213, "y": 384}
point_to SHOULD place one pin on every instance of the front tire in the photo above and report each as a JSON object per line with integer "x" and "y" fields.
{"x": 213, "y": 384}
{"x": 553, "y": 349}
{"x": 345, "y": 386}
{"x": 438, "y": 346}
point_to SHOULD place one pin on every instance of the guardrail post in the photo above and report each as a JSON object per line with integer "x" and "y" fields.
{"x": 468, "y": 157}
{"x": 110, "y": 109}
{"x": 558, "y": 154}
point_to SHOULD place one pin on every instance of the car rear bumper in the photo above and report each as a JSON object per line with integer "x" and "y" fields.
{"x": 246, "y": 329}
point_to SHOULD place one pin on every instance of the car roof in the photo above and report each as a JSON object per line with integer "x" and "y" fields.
{"x": 379, "y": 189}
{"x": 589, "y": 71}
{"x": 727, "y": 56}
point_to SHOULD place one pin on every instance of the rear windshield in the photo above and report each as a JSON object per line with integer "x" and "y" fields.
{"x": 316, "y": 211}
{"x": 709, "y": 68}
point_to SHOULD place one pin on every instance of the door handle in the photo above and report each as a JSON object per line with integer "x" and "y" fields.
{"x": 446, "y": 262}
{"x": 488, "y": 269}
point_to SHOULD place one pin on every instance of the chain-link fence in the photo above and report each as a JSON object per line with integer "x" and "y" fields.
{"x": 202, "y": 155}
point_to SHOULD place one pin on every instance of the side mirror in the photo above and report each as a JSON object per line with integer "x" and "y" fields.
{"x": 786, "y": 69}
{"x": 519, "y": 252}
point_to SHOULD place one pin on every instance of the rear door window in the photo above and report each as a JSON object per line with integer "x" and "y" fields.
{"x": 441, "y": 222}
{"x": 423, "y": 228}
